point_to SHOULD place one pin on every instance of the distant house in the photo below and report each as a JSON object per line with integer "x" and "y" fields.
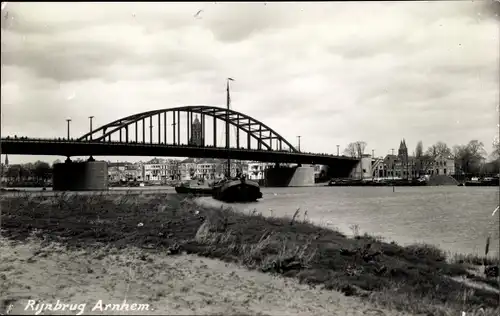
{"x": 256, "y": 170}
{"x": 443, "y": 166}
{"x": 188, "y": 168}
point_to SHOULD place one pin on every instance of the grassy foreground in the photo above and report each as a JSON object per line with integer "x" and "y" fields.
{"x": 417, "y": 279}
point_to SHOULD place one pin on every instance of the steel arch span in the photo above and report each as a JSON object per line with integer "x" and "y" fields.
{"x": 253, "y": 128}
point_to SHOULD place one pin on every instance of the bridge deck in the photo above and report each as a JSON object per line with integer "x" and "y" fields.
{"x": 31, "y": 146}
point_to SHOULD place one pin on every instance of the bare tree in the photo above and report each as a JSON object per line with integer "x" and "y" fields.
{"x": 360, "y": 148}
{"x": 350, "y": 150}
{"x": 419, "y": 153}
{"x": 439, "y": 149}
{"x": 419, "y": 150}
{"x": 469, "y": 157}
{"x": 355, "y": 149}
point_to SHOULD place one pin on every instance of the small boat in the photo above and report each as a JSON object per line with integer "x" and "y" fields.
{"x": 237, "y": 190}
{"x": 485, "y": 182}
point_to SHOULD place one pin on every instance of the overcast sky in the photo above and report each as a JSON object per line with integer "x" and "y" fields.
{"x": 331, "y": 72}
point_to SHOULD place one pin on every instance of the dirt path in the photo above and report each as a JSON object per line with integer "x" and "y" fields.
{"x": 173, "y": 285}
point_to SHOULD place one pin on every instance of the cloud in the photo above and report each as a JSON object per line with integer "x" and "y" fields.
{"x": 330, "y": 72}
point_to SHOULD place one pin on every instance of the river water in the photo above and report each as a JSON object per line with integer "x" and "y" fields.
{"x": 457, "y": 219}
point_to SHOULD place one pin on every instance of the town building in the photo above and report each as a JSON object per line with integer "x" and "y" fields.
{"x": 442, "y": 166}
{"x": 162, "y": 170}
{"x": 125, "y": 171}
{"x": 216, "y": 169}
{"x": 188, "y": 168}
{"x": 257, "y": 170}
{"x": 116, "y": 171}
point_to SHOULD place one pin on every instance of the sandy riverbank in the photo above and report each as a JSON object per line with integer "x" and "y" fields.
{"x": 176, "y": 285}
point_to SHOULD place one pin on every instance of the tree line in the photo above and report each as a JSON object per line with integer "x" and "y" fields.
{"x": 469, "y": 158}
{"x": 40, "y": 171}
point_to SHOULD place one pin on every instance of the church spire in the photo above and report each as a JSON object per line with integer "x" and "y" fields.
{"x": 196, "y": 120}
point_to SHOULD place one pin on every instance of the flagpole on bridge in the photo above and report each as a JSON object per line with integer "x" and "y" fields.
{"x": 228, "y": 104}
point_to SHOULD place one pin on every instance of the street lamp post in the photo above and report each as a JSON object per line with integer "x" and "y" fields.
{"x": 298, "y": 137}
{"x": 338, "y": 153}
{"x": 90, "y": 118}
{"x": 68, "y": 120}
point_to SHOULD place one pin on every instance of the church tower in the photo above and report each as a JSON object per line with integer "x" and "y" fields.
{"x": 403, "y": 157}
{"x": 403, "y": 151}
{"x": 196, "y": 137}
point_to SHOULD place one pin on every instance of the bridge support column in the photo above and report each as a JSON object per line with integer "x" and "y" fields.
{"x": 215, "y": 131}
{"x": 178, "y": 127}
{"x": 82, "y": 176}
{"x": 188, "y": 118}
{"x": 150, "y": 129}
{"x": 136, "y": 133}
{"x": 289, "y": 176}
{"x": 165, "y": 126}
{"x": 91, "y": 159}
{"x": 173, "y": 127}
{"x": 159, "y": 129}
{"x": 68, "y": 160}
{"x": 143, "y": 130}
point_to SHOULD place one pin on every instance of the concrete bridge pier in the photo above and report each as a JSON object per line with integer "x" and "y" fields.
{"x": 289, "y": 176}
{"x": 89, "y": 175}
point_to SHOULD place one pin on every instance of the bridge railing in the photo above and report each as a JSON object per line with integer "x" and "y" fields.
{"x": 132, "y": 143}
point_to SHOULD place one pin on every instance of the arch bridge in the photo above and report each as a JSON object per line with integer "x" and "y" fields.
{"x": 177, "y": 126}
